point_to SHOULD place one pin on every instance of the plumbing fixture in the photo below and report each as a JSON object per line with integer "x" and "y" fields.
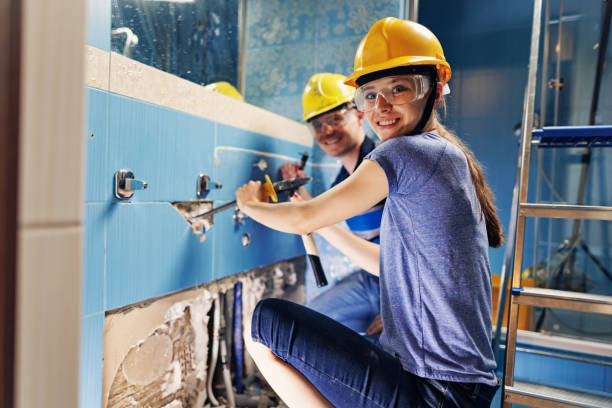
{"x": 246, "y": 239}
{"x": 204, "y": 184}
{"x": 126, "y": 184}
{"x": 239, "y": 216}
{"x": 262, "y": 164}
{"x": 131, "y": 39}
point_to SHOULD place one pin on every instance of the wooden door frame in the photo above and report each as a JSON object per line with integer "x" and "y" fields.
{"x": 10, "y": 66}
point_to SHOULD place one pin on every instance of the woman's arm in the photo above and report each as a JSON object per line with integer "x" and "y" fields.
{"x": 359, "y": 192}
{"x": 363, "y": 253}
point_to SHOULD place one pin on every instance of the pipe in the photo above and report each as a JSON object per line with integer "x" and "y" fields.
{"x": 227, "y": 377}
{"x": 214, "y": 351}
{"x": 238, "y": 346}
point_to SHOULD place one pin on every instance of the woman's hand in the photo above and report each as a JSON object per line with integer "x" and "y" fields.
{"x": 251, "y": 192}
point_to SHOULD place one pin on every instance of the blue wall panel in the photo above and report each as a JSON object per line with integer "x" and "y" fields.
{"x": 234, "y": 167}
{"x": 90, "y": 389}
{"x": 266, "y": 246}
{"x": 99, "y": 24}
{"x": 95, "y": 262}
{"x": 166, "y": 148}
{"x": 150, "y": 252}
{"x": 99, "y": 182}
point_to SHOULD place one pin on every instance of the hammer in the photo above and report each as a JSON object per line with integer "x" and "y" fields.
{"x": 310, "y": 245}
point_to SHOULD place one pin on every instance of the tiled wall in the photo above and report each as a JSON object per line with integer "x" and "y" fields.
{"x": 142, "y": 248}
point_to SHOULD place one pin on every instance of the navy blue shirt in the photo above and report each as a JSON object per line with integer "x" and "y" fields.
{"x": 365, "y": 225}
{"x": 435, "y": 281}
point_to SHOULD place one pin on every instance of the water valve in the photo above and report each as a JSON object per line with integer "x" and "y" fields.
{"x": 126, "y": 184}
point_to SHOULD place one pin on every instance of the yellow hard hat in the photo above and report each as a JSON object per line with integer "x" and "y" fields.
{"x": 325, "y": 92}
{"x": 226, "y": 89}
{"x": 392, "y": 42}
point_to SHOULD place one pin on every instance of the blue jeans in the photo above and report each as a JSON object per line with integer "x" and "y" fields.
{"x": 349, "y": 370}
{"x": 354, "y": 301}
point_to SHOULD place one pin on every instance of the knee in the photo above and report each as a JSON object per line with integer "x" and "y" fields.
{"x": 268, "y": 316}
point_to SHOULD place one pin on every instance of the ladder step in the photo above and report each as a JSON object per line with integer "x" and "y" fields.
{"x": 573, "y": 136}
{"x": 536, "y": 395}
{"x": 566, "y": 211}
{"x": 584, "y": 302}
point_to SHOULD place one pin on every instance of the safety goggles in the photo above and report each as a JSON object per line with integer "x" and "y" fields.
{"x": 396, "y": 90}
{"x": 333, "y": 120}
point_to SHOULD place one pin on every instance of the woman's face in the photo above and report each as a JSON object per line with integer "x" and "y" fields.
{"x": 390, "y": 120}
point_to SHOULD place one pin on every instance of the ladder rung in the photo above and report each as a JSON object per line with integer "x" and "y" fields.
{"x": 537, "y": 395}
{"x": 573, "y": 136}
{"x": 566, "y": 211}
{"x": 584, "y": 302}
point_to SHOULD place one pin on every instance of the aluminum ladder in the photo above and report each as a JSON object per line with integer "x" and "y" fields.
{"x": 516, "y": 392}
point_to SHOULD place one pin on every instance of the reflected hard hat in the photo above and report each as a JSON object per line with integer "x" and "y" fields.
{"x": 226, "y": 89}
{"x": 325, "y": 92}
{"x": 392, "y": 42}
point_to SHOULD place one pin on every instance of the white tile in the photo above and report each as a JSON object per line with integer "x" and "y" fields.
{"x": 52, "y": 112}
{"x": 48, "y": 317}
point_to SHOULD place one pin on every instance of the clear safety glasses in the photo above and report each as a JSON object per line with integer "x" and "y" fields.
{"x": 396, "y": 90}
{"x": 333, "y": 120}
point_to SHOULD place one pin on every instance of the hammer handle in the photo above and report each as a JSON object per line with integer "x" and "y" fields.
{"x": 315, "y": 261}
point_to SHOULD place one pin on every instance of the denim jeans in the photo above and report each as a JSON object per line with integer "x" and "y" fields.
{"x": 354, "y": 301}
{"x": 349, "y": 370}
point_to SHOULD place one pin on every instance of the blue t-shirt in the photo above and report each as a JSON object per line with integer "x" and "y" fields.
{"x": 435, "y": 280}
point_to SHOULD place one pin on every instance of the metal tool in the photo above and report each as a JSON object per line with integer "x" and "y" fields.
{"x": 271, "y": 190}
{"x": 309, "y": 243}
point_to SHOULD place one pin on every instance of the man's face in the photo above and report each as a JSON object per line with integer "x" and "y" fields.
{"x": 338, "y": 132}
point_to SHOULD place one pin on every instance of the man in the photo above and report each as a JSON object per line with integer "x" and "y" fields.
{"x": 337, "y": 128}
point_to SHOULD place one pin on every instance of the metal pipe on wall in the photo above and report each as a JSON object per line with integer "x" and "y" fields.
{"x": 242, "y": 27}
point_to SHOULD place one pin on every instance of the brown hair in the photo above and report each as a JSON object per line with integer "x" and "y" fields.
{"x": 483, "y": 192}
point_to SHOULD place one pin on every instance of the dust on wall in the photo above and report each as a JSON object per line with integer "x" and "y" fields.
{"x": 156, "y": 352}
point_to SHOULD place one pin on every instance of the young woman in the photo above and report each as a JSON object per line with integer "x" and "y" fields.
{"x": 437, "y": 224}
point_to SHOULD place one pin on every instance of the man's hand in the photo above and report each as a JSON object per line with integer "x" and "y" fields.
{"x": 290, "y": 170}
{"x": 375, "y": 327}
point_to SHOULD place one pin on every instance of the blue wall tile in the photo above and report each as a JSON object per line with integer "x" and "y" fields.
{"x": 90, "y": 389}
{"x": 99, "y": 185}
{"x": 234, "y": 167}
{"x": 95, "y": 258}
{"x": 266, "y": 245}
{"x": 166, "y": 148}
{"x": 99, "y": 24}
{"x": 151, "y": 251}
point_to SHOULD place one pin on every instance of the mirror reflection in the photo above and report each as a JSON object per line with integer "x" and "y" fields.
{"x": 284, "y": 42}
{"x": 194, "y": 39}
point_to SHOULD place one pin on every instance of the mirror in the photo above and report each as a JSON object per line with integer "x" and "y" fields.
{"x": 283, "y": 43}
{"x": 194, "y": 39}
